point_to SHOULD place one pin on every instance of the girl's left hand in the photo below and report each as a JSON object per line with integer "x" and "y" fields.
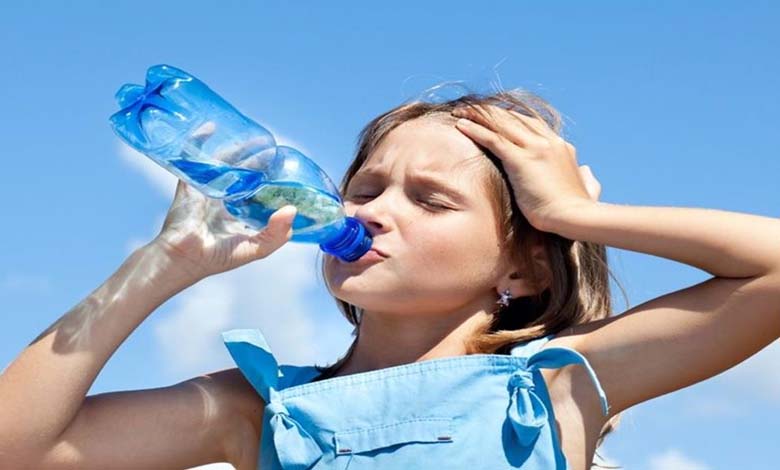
{"x": 542, "y": 167}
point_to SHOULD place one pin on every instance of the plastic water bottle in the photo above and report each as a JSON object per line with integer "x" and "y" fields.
{"x": 185, "y": 127}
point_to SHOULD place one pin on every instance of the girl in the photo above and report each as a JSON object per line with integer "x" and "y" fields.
{"x": 488, "y": 281}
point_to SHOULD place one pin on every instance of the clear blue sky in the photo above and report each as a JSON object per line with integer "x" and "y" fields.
{"x": 670, "y": 104}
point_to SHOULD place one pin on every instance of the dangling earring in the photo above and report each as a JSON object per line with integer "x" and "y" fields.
{"x": 505, "y": 298}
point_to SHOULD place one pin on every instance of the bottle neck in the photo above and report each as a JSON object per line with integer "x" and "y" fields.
{"x": 351, "y": 242}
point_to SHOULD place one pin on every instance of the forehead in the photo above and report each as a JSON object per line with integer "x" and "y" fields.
{"x": 427, "y": 146}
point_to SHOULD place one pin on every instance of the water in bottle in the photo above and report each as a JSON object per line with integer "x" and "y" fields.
{"x": 185, "y": 127}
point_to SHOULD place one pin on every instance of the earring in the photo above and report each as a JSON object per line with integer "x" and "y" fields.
{"x": 505, "y": 298}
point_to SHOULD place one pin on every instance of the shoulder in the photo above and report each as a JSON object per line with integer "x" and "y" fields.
{"x": 236, "y": 405}
{"x": 567, "y": 338}
{"x": 231, "y": 389}
{"x": 571, "y": 388}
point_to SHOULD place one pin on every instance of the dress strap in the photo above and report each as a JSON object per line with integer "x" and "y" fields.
{"x": 295, "y": 447}
{"x": 560, "y": 356}
{"x": 527, "y": 411}
{"x": 254, "y": 358}
{"x": 530, "y": 347}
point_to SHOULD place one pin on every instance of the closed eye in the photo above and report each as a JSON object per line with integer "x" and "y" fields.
{"x": 427, "y": 203}
{"x": 433, "y": 204}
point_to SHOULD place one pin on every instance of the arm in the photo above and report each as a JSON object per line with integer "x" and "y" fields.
{"x": 45, "y": 419}
{"x": 692, "y": 334}
{"x": 45, "y": 413}
{"x": 677, "y": 339}
{"x": 207, "y": 419}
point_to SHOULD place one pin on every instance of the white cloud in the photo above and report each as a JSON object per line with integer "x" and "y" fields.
{"x": 214, "y": 466}
{"x": 278, "y": 295}
{"x": 713, "y": 406}
{"x": 272, "y": 294}
{"x": 743, "y": 389}
{"x": 134, "y": 243}
{"x": 185, "y": 333}
{"x": 283, "y": 140}
{"x": 759, "y": 375}
{"x": 673, "y": 459}
{"x": 161, "y": 179}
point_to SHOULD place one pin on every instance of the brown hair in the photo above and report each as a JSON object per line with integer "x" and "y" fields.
{"x": 578, "y": 291}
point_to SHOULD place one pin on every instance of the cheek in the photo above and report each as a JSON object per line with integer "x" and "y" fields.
{"x": 456, "y": 250}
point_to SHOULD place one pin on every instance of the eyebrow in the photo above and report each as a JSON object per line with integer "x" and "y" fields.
{"x": 426, "y": 179}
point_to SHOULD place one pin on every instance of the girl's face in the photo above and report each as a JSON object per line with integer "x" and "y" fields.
{"x": 441, "y": 239}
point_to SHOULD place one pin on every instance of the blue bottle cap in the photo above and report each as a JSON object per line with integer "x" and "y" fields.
{"x": 351, "y": 243}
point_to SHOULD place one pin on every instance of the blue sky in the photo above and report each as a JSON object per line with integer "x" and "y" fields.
{"x": 669, "y": 104}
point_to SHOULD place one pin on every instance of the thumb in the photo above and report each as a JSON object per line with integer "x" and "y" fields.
{"x": 279, "y": 228}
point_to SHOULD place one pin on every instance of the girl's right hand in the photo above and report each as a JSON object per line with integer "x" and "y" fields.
{"x": 204, "y": 239}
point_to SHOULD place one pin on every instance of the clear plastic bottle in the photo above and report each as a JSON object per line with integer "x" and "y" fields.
{"x": 185, "y": 127}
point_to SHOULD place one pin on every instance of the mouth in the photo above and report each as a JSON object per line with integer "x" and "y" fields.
{"x": 369, "y": 257}
{"x": 379, "y": 252}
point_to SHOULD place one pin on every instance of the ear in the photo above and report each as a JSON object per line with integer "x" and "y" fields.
{"x": 518, "y": 277}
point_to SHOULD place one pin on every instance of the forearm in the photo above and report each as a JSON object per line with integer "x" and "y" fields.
{"x": 42, "y": 390}
{"x": 725, "y": 244}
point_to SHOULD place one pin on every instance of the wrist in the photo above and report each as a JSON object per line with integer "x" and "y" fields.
{"x": 165, "y": 266}
{"x": 569, "y": 220}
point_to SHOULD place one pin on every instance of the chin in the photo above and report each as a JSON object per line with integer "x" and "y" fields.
{"x": 345, "y": 279}
{"x": 363, "y": 298}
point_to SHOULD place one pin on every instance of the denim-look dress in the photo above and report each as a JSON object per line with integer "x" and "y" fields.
{"x": 478, "y": 411}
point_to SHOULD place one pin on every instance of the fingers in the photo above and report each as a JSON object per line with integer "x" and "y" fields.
{"x": 181, "y": 190}
{"x": 279, "y": 227}
{"x": 275, "y": 234}
{"x": 202, "y": 133}
{"x": 194, "y": 145}
{"x": 506, "y": 122}
{"x": 185, "y": 191}
{"x": 230, "y": 154}
{"x": 237, "y": 153}
{"x": 502, "y": 130}
{"x": 493, "y": 141}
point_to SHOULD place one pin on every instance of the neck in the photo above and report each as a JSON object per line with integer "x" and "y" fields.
{"x": 389, "y": 340}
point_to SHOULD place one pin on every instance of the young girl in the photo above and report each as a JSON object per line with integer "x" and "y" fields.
{"x": 488, "y": 280}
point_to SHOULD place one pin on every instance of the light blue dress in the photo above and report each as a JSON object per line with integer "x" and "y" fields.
{"x": 479, "y": 411}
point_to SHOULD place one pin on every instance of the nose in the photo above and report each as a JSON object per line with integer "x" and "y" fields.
{"x": 372, "y": 214}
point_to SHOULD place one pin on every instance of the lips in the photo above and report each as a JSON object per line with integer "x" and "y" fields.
{"x": 379, "y": 252}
